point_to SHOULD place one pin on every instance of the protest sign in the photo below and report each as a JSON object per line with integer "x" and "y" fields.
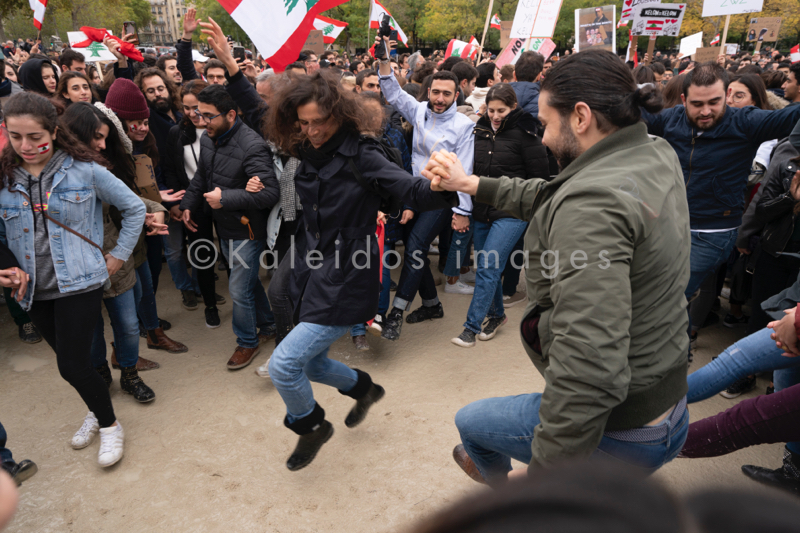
{"x": 658, "y": 19}
{"x": 315, "y": 41}
{"x": 535, "y": 18}
{"x": 764, "y": 29}
{"x": 715, "y": 8}
{"x": 627, "y": 8}
{"x": 593, "y": 28}
{"x": 505, "y": 33}
{"x": 690, "y": 44}
{"x": 731, "y": 49}
{"x": 709, "y": 53}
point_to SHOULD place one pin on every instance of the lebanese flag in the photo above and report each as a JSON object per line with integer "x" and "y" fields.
{"x": 38, "y": 7}
{"x": 376, "y": 13}
{"x": 278, "y": 28}
{"x": 460, "y": 49}
{"x": 330, "y": 28}
{"x": 715, "y": 40}
{"x": 495, "y": 23}
{"x": 654, "y": 25}
{"x": 795, "y": 51}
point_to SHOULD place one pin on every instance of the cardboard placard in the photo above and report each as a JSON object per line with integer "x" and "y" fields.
{"x": 505, "y": 32}
{"x": 315, "y": 42}
{"x": 658, "y": 19}
{"x": 764, "y": 29}
{"x": 535, "y": 18}
{"x": 715, "y": 8}
{"x": 146, "y": 178}
{"x": 690, "y": 44}
{"x": 731, "y": 49}
{"x": 594, "y": 28}
{"x": 708, "y": 53}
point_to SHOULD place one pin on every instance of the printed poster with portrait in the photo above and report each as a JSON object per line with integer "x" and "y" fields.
{"x": 594, "y": 28}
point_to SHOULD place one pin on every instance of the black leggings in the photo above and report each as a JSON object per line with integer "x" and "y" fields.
{"x": 67, "y": 324}
{"x": 200, "y": 256}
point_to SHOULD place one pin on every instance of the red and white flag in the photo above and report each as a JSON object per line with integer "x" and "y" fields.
{"x": 795, "y": 53}
{"x": 495, "y": 23}
{"x": 330, "y": 28}
{"x": 376, "y": 14}
{"x": 44, "y": 148}
{"x": 461, "y": 49}
{"x": 715, "y": 40}
{"x": 278, "y": 28}
{"x": 38, "y": 7}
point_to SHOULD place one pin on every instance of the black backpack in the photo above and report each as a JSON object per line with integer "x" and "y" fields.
{"x": 391, "y": 205}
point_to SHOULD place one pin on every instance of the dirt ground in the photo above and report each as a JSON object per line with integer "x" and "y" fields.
{"x": 209, "y": 454}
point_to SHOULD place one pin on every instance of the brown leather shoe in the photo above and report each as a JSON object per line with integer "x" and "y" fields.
{"x": 158, "y": 340}
{"x": 463, "y": 460}
{"x": 242, "y": 357}
{"x": 141, "y": 365}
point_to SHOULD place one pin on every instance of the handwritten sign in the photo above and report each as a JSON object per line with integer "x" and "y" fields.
{"x": 709, "y": 53}
{"x": 660, "y": 19}
{"x": 535, "y": 18}
{"x": 628, "y": 5}
{"x": 505, "y": 33}
{"x": 715, "y": 8}
{"x": 315, "y": 42}
{"x": 690, "y": 44}
{"x": 764, "y": 29}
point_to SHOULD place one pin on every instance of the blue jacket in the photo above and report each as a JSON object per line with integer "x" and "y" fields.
{"x": 716, "y": 162}
{"x": 527, "y": 96}
{"x": 76, "y": 200}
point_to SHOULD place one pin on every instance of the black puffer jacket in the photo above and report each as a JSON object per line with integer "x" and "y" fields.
{"x": 514, "y": 150}
{"x": 228, "y": 163}
{"x": 775, "y": 210}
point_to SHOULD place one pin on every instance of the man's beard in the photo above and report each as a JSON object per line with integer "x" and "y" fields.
{"x": 568, "y": 149}
{"x": 161, "y": 104}
{"x": 716, "y": 120}
{"x": 221, "y": 130}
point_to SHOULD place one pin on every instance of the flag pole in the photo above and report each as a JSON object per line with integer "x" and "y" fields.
{"x": 369, "y": 20}
{"x": 724, "y": 35}
{"x": 485, "y": 30}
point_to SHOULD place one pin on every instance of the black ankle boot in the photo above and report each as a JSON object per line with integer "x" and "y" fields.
{"x": 131, "y": 383}
{"x": 314, "y": 431}
{"x": 365, "y": 393}
{"x": 786, "y": 477}
{"x": 105, "y": 373}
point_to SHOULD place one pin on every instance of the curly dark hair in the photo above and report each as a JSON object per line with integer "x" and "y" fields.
{"x": 44, "y": 112}
{"x": 281, "y": 123}
{"x": 168, "y": 83}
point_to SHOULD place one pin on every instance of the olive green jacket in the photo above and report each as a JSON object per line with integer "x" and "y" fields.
{"x": 614, "y": 229}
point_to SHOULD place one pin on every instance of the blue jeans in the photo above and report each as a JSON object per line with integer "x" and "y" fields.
{"x": 358, "y": 329}
{"x": 513, "y": 270}
{"x": 251, "y": 310}
{"x": 386, "y": 285}
{"x": 302, "y": 357}
{"x": 145, "y": 297}
{"x": 493, "y": 245}
{"x": 709, "y": 251}
{"x": 5, "y": 453}
{"x": 458, "y": 255}
{"x": 122, "y": 314}
{"x": 750, "y": 355}
{"x": 416, "y": 274}
{"x": 173, "y": 248}
{"x": 495, "y": 430}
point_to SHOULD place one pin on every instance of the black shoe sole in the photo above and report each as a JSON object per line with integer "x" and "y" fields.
{"x": 25, "y": 474}
{"x": 27, "y": 341}
{"x": 308, "y": 461}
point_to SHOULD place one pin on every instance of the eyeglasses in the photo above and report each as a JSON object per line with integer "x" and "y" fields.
{"x": 204, "y": 117}
{"x": 739, "y": 96}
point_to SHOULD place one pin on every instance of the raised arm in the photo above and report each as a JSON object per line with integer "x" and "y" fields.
{"x": 184, "y": 46}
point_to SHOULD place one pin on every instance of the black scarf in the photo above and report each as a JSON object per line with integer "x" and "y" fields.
{"x": 319, "y": 157}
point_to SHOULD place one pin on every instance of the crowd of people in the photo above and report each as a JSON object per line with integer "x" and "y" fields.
{"x": 628, "y": 196}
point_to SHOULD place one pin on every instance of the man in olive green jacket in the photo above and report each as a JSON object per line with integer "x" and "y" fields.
{"x": 608, "y": 246}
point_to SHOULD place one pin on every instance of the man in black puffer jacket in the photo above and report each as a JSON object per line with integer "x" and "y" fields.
{"x": 231, "y": 153}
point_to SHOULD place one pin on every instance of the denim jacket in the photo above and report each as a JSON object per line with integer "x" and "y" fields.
{"x": 78, "y": 192}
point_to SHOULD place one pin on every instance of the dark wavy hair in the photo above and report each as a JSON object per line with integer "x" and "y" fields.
{"x": 600, "y": 80}
{"x": 44, "y": 112}
{"x": 168, "y": 83}
{"x": 83, "y": 120}
{"x": 755, "y": 85}
{"x": 503, "y": 92}
{"x": 193, "y": 87}
{"x": 281, "y": 124}
{"x": 63, "y": 81}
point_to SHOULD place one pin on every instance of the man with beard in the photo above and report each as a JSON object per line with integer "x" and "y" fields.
{"x": 437, "y": 125}
{"x": 609, "y": 249}
{"x": 231, "y": 154}
{"x": 169, "y": 64}
{"x": 716, "y": 145}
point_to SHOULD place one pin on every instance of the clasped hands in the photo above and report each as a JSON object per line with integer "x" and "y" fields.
{"x": 445, "y": 173}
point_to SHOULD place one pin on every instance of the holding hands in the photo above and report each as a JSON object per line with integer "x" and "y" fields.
{"x": 445, "y": 173}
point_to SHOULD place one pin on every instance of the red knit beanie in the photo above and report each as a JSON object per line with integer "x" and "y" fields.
{"x": 126, "y": 100}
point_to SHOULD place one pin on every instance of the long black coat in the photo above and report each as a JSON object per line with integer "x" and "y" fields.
{"x": 173, "y": 167}
{"x": 228, "y": 163}
{"x": 514, "y": 150}
{"x": 338, "y": 226}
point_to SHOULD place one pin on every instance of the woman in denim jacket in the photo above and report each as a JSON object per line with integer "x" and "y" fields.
{"x": 52, "y": 182}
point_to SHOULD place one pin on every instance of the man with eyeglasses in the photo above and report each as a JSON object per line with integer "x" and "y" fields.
{"x": 309, "y": 59}
{"x": 716, "y": 145}
{"x": 230, "y": 154}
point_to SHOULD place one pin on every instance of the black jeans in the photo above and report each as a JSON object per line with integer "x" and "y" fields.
{"x": 200, "y": 256}
{"x": 770, "y": 276}
{"x": 67, "y": 324}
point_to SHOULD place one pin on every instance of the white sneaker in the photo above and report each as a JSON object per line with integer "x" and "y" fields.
{"x": 111, "y": 439}
{"x": 459, "y": 287}
{"x": 726, "y": 293}
{"x": 469, "y": 277}
{"x": 263, "y": 370}
{"x": 376, "y": 328}
{"x": 87, "y": 433}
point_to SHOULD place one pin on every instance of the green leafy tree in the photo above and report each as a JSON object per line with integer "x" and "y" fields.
{"x": 7, "y": 8}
